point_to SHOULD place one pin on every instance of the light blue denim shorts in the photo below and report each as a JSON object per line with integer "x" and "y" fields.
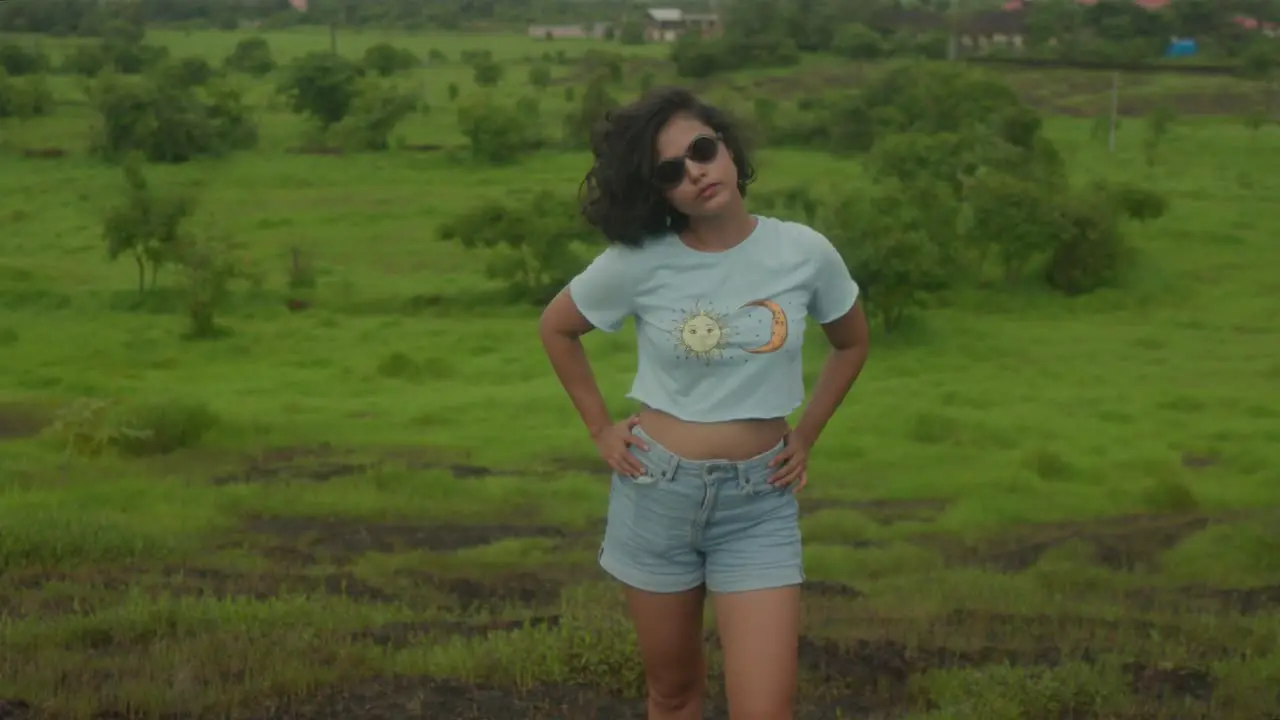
{"x": 689, "y": 522}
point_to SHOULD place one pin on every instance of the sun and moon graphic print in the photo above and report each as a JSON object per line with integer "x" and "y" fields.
{"x": 757, "y": 327}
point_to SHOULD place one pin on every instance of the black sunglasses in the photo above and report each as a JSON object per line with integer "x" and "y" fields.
{"x": 703, "y": 150}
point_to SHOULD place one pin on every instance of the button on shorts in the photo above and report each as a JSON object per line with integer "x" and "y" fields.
{"x": 686, "y": 523}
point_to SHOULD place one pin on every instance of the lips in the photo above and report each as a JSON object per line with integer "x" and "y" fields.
{"x": 708, "y": 191}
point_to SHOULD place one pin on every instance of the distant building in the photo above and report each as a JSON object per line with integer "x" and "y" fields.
{"x": 594, "y": 31}
{"x": 668, "y": 24}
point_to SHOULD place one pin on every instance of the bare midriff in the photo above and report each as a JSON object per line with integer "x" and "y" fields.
{"x": 730, "y": 440}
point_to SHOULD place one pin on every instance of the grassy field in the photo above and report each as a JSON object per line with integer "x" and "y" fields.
{"x": 1030, "y": 507}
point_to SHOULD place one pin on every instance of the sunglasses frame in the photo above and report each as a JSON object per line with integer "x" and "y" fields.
{"x": 684, "y": 159}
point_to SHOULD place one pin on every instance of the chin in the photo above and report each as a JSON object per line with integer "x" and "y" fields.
{"x": 722, "y": 201}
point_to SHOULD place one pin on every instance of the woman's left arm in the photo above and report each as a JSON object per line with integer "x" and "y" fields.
{"x": 848, "y": 336}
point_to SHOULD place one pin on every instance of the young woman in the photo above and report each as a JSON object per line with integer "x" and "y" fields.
{"x": 705, "y": 475}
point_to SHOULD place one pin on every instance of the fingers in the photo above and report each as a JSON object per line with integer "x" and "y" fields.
{"x": 787, "y": 476}
{"x": 626, "y": 464}
{"x": 799, "y": 484}
{"x": 782, "y": 457}
{"x": 637, "y": 442}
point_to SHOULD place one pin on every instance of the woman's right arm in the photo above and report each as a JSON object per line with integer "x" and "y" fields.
{"x": 561, "y": 329}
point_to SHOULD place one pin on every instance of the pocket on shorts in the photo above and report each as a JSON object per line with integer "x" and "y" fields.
{"x": 653, "y": 474}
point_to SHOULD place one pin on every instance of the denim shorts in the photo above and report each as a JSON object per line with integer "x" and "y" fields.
{"x": 689, "y": 522}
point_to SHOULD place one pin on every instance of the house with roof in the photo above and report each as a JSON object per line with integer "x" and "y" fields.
{"x": 668, "y": 24}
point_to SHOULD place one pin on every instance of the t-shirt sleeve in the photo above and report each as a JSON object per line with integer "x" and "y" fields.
{"x": 605, "y": 291}
{"x": 834, "y": 290}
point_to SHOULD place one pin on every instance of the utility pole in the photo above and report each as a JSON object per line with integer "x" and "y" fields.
{"x": 954, "y": 21}
{"x": 1115, "y": 111}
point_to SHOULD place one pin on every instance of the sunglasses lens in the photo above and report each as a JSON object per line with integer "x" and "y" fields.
{"x": 704, "y": 149}
{"x": 669, "y": 173}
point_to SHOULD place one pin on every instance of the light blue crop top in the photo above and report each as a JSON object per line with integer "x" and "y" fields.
{"x": 719, "y": 334}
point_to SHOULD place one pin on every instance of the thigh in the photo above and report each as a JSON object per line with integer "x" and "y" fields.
{"x": 759, "y": 631}
{"x": 669, "y": 631}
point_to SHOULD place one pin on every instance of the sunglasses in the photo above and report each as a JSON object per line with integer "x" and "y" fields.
{"x": 670, "y": 172}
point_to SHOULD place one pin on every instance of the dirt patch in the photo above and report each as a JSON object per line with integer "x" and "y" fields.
{"x": 339, "y": 541}
{"x": 44, "y": 153}
{"x": 400, "y": 697}
{"x": 401, "y": 635}
{"x": 208, "y": 582}
{"x": 1242, "y": 601}
{"x": 19, "y": 421}
{"x": 496, "y": 593}
{"x": 1170, "y": 682}
{"x": 1126, "y": 542}
{"x": 14, "y": 710}
{"x": 26, "y": 595}
{"x": 325, "y": 462}
{"x": 827, "y": 589}
{"x": 882, "y": 511}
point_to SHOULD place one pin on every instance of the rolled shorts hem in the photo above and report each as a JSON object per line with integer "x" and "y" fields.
{"x": 646, "y": 582}
{"x": 769, "y": 580}
{"x": 763, "y": 581}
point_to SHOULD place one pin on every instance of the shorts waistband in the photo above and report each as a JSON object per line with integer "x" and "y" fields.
{"x": 667, "y": 462}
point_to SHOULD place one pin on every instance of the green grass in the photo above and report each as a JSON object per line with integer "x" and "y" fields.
{"x": 972, "y": 488}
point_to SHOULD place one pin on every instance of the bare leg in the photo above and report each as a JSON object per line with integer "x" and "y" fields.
{"x": 760, "y": 631}
{"x": 669, "y": 630}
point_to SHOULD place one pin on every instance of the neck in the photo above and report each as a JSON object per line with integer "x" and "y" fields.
{"x": 722, "y": 231}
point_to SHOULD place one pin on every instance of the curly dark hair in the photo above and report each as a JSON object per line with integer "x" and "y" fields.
{"x": 619, "y": 197}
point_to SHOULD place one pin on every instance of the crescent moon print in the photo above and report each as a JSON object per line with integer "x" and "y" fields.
{"x": 777, "y": 328}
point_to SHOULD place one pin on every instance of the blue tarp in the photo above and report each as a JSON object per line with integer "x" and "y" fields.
{"x": 1181, "y": 48}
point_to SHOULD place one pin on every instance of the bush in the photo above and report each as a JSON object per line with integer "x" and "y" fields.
{"x": 251, "y": 56}
{"x": 377, "y": 109}
{"x": 534, "y": 245}
{"x": 164, "y": 427}
{"x": 385, "y": 60}
{"x": 167, "y": 121}
{"x": 578, "y": 124}
{"x": 487, "y": 73}
{"x": 1091, "y": 252}
{"x": 322, "y": 85}
{"x": 25, "y": 97}
{"x": 499, "y": 133}
{"x": 17, "y": 60}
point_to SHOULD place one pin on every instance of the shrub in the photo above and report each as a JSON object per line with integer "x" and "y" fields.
{"x": 251, "y": 56}
{"x": 385, "y": 59}
{"x": 322, "y": 85}
{"x": 167, "y": 121}
{"x": 534, "y": 244}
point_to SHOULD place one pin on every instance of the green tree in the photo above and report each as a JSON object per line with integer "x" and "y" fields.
{"x": 1159, "y": 122}
{"x": 498, "y": 133}
{"x": 146, "y": 224}
{"x": 579, "y": 123}
{"x": 322, "y": 85}
{"x": 251, "y": 56}
{"x": 488, "y": 74}
{"x": 533, "y": 245}
{"x": 385, "y": 59}
{"x": 1015, "y": 219}
{"x": 540, "y": 76}
{"x": 377, "y": 110}
{"x": 893, "y": 239}
{"x": 167, "y": 121}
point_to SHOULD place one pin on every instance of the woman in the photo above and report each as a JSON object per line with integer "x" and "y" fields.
{"x": 705, "y": 475}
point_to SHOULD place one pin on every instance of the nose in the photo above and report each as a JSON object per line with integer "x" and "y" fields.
{"x": 694, "y": 171}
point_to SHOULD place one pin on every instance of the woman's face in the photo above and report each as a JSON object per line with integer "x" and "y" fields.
{"x": 694, "y": 168}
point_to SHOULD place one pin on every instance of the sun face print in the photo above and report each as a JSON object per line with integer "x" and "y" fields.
{"x": 701, "y": 334}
